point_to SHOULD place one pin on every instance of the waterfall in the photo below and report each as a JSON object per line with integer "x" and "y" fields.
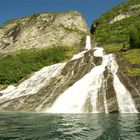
{"x": 88, "y": 43}
{"x": 124, "y": 98}
{"x": 87, "y": 47}
{"x": 32, "y": 85}
{"x": 89, "y": 88}
{"x": 9, "y": 89}
{"x": 74, "y": 98}
{"x": 88, "y": 94}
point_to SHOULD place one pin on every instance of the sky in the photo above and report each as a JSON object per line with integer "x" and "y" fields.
{"x": 90, "y": 9}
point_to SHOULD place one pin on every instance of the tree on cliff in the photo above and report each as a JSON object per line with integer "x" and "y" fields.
{"x": 134, "y": 38}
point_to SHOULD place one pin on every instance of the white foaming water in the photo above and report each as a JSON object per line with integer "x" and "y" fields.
{"x": 87, "y": 47}
{"x": 99, "y": 52}
{"x": 74, "y": 98}
{"x": 79, "y": 55}
{"x": 8, "y": 89}
{"x": 124, "y": 98}
{"x": 88, "y": 43}
{"x": 33, "y": 84}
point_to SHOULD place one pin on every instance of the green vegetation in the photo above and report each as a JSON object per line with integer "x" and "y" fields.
{"x": 119, "y": 31}
{"x": 124, "y": 8}
{"x": 132, "y": 56}
{"x": 121, "y": 37}
{"x": 112, "y": 48}
{"x": 134, "y": 39}
{"x": 15, "y": 67}
{"x": 132, "y": 71}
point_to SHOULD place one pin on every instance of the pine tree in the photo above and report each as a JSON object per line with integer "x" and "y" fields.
{"x": 134, "y": 38}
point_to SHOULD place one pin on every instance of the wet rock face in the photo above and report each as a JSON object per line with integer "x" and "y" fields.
{"x": 132, "y": 83}
{"x": 73, "y": 71}
{"x": 43, "y": 30}
{"x": 110, "y": 93}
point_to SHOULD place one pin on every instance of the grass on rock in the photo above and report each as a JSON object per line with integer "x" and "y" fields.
{"x": 14, "y": 68}
{"x": 131, "y": 56}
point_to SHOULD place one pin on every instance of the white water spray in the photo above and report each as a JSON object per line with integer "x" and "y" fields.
{"x": 88, "y": 43}
{"x": 89, "y": 87}
{"x": 124, "y": 98}
{"x": 32, "y": 85}
{"x": 74, "y": 98}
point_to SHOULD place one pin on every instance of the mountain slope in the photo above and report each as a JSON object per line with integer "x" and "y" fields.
{"x": 43, "y": 31}
{"x": 116, "y": 25}
{"x": 30, "y": 43}
{"x": 113, "y": 31}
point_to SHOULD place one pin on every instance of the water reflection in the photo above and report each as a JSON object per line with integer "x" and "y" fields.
{"x": 130, "y": 126}
{"x": 111, "y": 128}
{"x": 69, "y": 127}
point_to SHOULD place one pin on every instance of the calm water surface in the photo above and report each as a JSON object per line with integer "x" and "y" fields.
{"x": 27, "y": 126}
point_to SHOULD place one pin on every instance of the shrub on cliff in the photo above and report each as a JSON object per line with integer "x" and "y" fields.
{"x": 15, "y": 67}
{"x": 134, "y": 39}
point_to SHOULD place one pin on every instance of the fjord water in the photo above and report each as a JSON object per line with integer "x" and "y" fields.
{"x": 26, "y": 126}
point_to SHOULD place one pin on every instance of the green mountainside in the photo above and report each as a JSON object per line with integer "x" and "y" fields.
{"x": 116, "y": 25}
{"x": 15, "y": 68}
{"x": 118, "y": 31}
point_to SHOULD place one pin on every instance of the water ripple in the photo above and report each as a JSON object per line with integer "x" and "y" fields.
{"x": 26, "y": 126}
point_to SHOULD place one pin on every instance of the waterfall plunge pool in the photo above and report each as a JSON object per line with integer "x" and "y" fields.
{"x": 41, "y": 126}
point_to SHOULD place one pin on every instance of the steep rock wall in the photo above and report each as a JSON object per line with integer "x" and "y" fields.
{"x": 42, "y": 31}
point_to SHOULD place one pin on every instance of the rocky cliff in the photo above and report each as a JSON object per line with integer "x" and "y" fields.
{"x": 42, "y": 31}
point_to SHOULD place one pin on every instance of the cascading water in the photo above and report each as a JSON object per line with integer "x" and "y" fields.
{"x": 124, "y": 98}
{"x": 87, "y": 47}
{"x": 89, "y": 94}
{"x": 74, "y": 99}
{"x": 88, "y": 43}
{"x": 33, "y": 84}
